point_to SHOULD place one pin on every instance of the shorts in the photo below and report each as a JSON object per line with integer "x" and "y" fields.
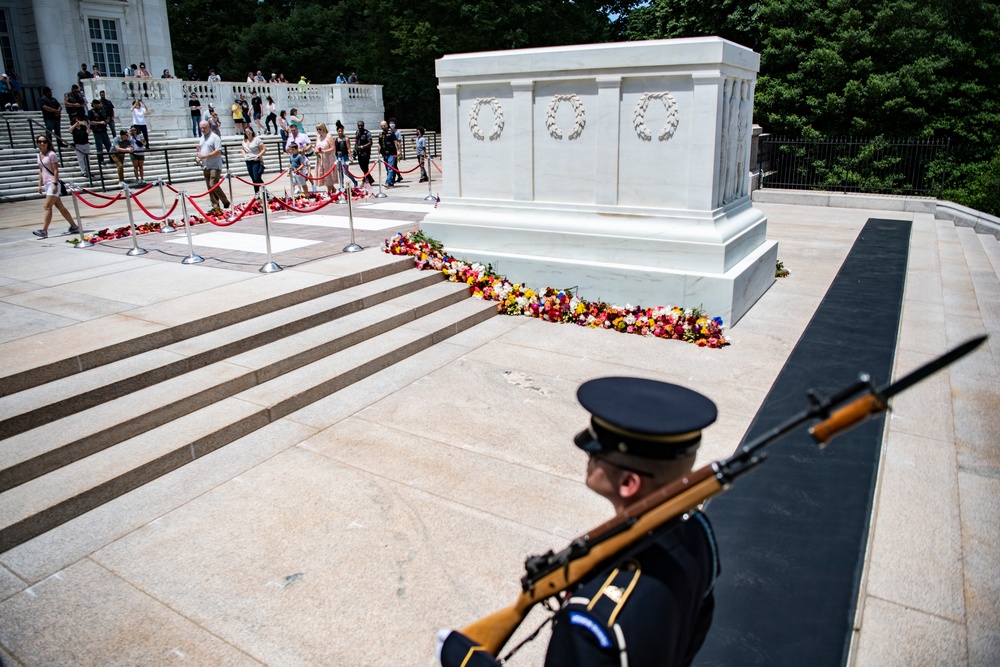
{"x": 51, "y": 189}
{"x": 256, "y": 115}
{"x": 138, "y": 158}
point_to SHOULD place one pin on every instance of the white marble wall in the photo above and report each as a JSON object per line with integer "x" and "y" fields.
{"x": 619, "y": 168}
{"x": 168, "y": 98}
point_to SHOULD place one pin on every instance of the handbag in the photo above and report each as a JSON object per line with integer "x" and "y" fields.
{"x": 63, "y": 190}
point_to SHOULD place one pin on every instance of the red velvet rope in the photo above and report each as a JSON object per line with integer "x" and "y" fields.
{"x": 113, "y": 200}
{"x": 289, "y": 207}
{"x": 197, "y": 208}
{"x": 230, "y": 221}
{"x": 389, "y": 166}
{"x": 209, "y": 191}
{"x": 116, "y": 197}
{"x": 367, "y": 173}
{"x": 436, "y": 167}
{"x": 320, "y": 178}
{"x": 271, "y": 182}
{"x": 154, "y": 217}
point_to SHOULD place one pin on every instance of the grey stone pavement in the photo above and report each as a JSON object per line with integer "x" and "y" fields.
{"x": 348, "y": 532}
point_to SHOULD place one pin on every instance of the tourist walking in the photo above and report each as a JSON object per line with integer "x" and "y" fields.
{"x": 109, "y": 112}
{"x": 269, "y": 109}
{"x": 389, "y": 149}
{"x": 138, "y": 155}
{"x": 422, "y": 153}
{"x": 326, "y": 159}
{"x": 296, "y": 120}
{"x": 253, "y": 155}
{"x": 299, "y": 165}
{"x": 194, "y": 105}
{"x": 139, "y": 111}
{"x": 51, "y": 113}
{"x": 99, "y": 128}
{"x": 123, "y": 146}
{"x": 48, "y": 185}
{"x": 238, "y": 119}
{"x": 363, "y": 145}
{"x": 257, "y": 105}
{"x": 81, "y": 145}
{"x": 210, "y": 159}
{"x": 398, "y": 138}
{"x": 283, "y": 127}
{"x": 342, "y": 146}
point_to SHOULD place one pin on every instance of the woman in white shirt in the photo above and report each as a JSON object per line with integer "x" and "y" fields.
{"x": 48, "y": 185}
{"x": 139, "y": 111}
{"x": 253, "y": 154}
{"x": 271, "y": 117}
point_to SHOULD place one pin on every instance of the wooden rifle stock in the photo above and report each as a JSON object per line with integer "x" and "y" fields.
{"x": 846, "y": 417}
{"x": 670, "y": 502}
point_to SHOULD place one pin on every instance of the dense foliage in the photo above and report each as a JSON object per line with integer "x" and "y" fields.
{"x": 890, "y": 68}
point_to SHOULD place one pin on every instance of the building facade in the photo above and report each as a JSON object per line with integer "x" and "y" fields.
{"x": 45, "y": 41}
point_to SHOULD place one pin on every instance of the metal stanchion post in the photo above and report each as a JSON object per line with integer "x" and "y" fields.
{"x": 229, "y": 182}
{"x": 352, "y": 246}
{"x": 167, "y": 228}
{"x": 380, "y": 194}
{"x": 270, "y": 267}
{"x": 136, "y": 250}
{"x": 430, "y": 167}
{"x": 83, "y": 243}
{"x": 342, "y": 179}
{"x": 288, "y": 212}
{"x": 191, "y": 258}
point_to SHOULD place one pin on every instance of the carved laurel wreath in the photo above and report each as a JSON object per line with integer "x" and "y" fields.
{"x": 497, "y": 129}
{"x": 639, "y": 116}
{"x": 579, "y": 116}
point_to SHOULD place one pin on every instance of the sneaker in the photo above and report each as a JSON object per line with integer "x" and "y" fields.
{"x": 40, "y": 233}
{"x": 423, "y": 180}
{"x": 73, "y": 230}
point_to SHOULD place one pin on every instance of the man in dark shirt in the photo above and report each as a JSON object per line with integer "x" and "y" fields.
{"x": 194, "y": 104}
{"x": 76, "y": 104}
{"x": 51, "y": 114}
{"x": 84, "y": 73}
{"x": 109, "y": 112}
{"x": 258, "y": 111}
{"x": 363, "y": 144}
{"x": 99, "y": 128}
{"x": 192, "y": 73}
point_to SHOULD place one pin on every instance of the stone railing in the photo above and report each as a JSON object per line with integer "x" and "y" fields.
{"x": 167, "y": 100}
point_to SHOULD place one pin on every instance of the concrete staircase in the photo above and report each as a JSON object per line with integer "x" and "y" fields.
{"x": 82, "y": 431}
{"x": 932, "y": 560}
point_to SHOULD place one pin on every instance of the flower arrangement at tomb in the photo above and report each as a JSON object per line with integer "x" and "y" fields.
{"x": 555, "y": 305}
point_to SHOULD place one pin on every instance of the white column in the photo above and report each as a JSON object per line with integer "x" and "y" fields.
{"x": 608, "y": 124}
{"x": 450, "y": 142}
{"x": 703, "y": 165}
{"x": 522, "y": 129}
{"x": 55, "y": 26}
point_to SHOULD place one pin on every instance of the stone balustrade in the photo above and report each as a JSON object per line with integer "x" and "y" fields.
{"x": 167, "y": 100}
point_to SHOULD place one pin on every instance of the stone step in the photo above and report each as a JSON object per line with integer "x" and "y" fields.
{"x": 991, "y": 246}
{"x": 64, "y": 493}
{"x": 225, "y": 306}
{"x": 39, "y": 405}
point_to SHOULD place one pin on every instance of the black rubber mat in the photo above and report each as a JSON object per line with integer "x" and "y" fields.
{"x": 792, "y": 533}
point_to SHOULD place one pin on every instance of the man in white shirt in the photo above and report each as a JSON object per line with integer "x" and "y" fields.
{"x": 210, "y": 159}
{"x": 300, "y": 139}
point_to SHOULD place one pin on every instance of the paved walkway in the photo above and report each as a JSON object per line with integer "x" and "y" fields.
{"x": 349, "y": 531}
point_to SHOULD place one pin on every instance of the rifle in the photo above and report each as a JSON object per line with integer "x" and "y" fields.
{"x": 551, "y": 573}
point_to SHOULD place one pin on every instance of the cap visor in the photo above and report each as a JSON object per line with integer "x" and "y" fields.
{"x": 585, "y": 441}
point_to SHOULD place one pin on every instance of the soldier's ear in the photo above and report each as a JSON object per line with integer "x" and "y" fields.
{"x": 629, "y": 485}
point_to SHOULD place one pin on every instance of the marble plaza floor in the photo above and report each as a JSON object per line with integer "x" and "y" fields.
{"x": 348, "y": 532}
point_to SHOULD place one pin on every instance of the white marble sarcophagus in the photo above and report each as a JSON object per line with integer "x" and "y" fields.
{"x": 618, "y": 169}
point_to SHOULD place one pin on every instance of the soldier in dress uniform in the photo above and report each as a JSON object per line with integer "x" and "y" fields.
{"x": 651, "y": 606}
